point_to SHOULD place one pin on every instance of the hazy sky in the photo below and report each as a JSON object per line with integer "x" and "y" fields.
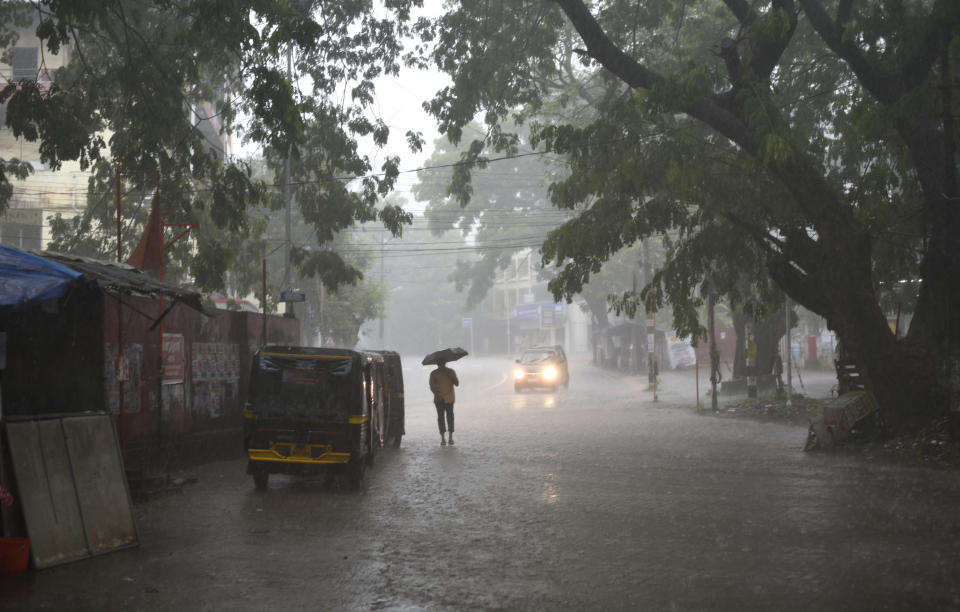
{"x": 399, "y": 103}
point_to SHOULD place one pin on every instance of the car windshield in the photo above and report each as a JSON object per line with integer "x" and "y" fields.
{"x": 530, "y": 357}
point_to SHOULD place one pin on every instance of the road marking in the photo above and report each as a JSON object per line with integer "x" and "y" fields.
{"x": 501, "y": 381}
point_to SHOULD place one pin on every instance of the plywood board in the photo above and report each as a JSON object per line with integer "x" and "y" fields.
{"x": 100, "y": 482}
{"x": 48, "y": 496}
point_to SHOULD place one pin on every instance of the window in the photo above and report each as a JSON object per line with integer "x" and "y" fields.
{"x": 25, "y": 63}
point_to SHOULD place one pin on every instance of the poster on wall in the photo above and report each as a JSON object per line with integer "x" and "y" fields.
{"x": 216, "y": 376}
{"x": 680, "y": 351}
{"x": 173, "y": 362}
{"x": 131, "y": 366}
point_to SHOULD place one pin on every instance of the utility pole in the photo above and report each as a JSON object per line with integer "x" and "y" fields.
{"x": 656, "y": 359}
{"x": 950, "y": 192}
{"x": 121, "y": 354}
{"x": 288, "y": 310}
{"x": 786, "y": 307}
{"x": 382, "y": 241}
{"x": 751, "y": 361}
{"x": 263, "y": 303}
{"x": 651, "y": 324}
{"x": 714, "y": 354}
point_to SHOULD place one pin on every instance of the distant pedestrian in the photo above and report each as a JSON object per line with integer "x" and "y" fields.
{"x": 442, "y": 382}
{"x": 778, "y": 371}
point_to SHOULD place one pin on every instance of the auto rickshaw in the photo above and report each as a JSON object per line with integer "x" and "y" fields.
{"x": 395, "y": 428}
{"x": 314, "y": 410}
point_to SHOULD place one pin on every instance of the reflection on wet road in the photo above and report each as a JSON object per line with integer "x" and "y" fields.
{"x": 588, "y": 498}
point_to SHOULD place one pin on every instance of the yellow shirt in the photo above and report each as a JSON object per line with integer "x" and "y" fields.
{"x": 442, "y": 382}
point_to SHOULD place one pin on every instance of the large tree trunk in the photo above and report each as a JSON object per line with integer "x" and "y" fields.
{"x": 838, "y": 285}
{"x": 766, "y": 333}
{"x": 599, "y": 320}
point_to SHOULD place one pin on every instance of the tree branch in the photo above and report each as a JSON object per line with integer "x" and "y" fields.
{"x": 800, "y": 286}
{"x": 742, "y": 10}
{"x": 886, "y": 86}
{"x": 768, "y": 56}
{"x": 636, "y": 75}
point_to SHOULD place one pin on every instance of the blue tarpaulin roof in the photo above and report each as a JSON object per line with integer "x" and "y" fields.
{"x": 26, "y": 278}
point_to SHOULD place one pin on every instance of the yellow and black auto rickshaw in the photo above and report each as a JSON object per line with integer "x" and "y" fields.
{"x": 314, "y": 410}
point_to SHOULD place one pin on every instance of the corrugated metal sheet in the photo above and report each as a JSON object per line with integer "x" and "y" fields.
{"x": 122, "y": 278}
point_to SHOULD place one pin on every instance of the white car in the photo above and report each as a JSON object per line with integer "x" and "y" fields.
{"x": 541, "y": 366}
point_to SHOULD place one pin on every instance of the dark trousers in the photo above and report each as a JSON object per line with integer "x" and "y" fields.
{"x": 444, "y": 408}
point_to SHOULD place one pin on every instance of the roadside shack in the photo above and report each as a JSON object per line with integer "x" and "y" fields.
{"x": 134, "y": 368}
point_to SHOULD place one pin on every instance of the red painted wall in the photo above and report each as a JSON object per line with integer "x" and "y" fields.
{"x": 726, "y": 346}
{"x": 202, "y": 387}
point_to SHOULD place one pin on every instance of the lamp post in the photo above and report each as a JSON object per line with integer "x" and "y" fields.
{"x": 786, "y": 308}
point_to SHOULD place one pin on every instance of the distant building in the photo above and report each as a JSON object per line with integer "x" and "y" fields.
{"x": 520, "y": 312}
{"x": 44, "y": 193}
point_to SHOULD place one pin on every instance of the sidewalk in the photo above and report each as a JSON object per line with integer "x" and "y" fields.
{"x": 687, "y": 385}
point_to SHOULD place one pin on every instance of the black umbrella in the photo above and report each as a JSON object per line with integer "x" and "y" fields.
{"x": 444, "y": 355}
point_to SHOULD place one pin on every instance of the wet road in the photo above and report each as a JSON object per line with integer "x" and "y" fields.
{"x": 589, "y": 498}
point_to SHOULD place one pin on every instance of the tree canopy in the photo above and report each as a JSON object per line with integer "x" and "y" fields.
{"x": 147, "y": 80}
{"x": 814, "y": 137}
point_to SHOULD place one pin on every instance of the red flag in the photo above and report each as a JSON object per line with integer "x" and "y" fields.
{"x": 149, "y": 253}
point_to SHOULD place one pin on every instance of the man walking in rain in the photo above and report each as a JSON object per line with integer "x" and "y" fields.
{"x": 442, "y": 382}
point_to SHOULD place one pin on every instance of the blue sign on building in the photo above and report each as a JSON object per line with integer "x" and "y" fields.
{"x": 546, "y": 312}
{"x": 546, "y": 319}
{"x": 526, "y": 311}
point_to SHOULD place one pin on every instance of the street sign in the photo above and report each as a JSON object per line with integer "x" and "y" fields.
{"x": 546, "y": 319}
{"x": 292, "y": 296}
{"x": 467, "y": 323}
{"x": 526, "y": 311}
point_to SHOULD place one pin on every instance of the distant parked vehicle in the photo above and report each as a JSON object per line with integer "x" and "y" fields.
{"x": 541, "y": 366}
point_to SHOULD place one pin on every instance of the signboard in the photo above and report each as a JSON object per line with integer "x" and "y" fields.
{"x": 680, "y": 351}
{"x": 546, "y": 318}
{"x": 172, "y": 359}
{"x": 288, "y": 295}
{"x": 466, "y": 323}
{"x": 526, "y": 311}
{"x": 538, "y": 310}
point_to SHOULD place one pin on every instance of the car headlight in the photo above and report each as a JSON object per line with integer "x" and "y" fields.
{"x": 518, "y": 374}
{"x": 549, "y": 373}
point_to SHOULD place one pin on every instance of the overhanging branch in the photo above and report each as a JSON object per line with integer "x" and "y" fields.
{"x": 636, "y": 75}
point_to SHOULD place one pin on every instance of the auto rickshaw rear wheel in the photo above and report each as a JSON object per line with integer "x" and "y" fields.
{"x": 355, "y": 472}
{"x": 260, "y": 479}
{"x": 371, "y": 447}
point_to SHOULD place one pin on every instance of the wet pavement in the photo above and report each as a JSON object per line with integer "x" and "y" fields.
{"x": 594, "y": 497}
